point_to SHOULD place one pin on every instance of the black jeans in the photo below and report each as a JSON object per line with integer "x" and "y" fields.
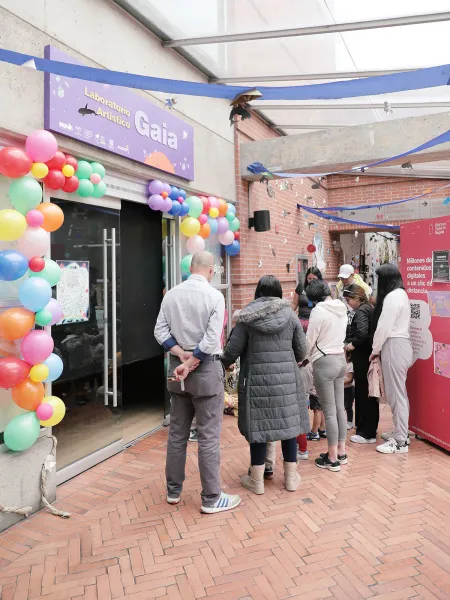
{"x": 258, "y": 451}
{"x": 349, "y": 396}
{"x": 367, "y": 409}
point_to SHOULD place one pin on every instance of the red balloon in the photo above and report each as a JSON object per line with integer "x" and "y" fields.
{"x": 237, "y": 235}
{"x": 206, "y": 205}
{"x": 311, "y": 248}
{"x": 36, "y": 264}
{"x": 13, "y": 371}
{"x": 14, "y": 162}
{"x": 72, "y": 161}
{"x": 71, "y": 184}
{"x": 57, "y": 162}
{"x": 54, "y": 180}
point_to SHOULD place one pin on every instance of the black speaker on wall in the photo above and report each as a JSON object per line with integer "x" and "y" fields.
{"x": 260, "y": 220}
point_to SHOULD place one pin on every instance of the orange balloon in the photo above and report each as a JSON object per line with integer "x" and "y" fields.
{"x": 223, "y": 207}
{"x": 28, "y": 394}
{"x": 53, "y": 216}
{"x": 205, "y": 230}
{"x": 15, "y": 323}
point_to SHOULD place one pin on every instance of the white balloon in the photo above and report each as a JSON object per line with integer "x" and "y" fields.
{"x": 226, "y": 238}
{"x": 195, "y": 244}
{"x": 34, "y": 242}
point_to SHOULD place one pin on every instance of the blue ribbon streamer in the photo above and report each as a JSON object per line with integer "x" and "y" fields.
{"x": 342, "y": 220}
{"x": 369, "y": 86}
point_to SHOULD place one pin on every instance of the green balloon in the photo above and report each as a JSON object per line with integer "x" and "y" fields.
{"x": 22, "y": 431}
{"x": 230, "y": 216}
{"x": 43, "y": 317}
{"x": 25, "y": 194}
{"x": 235, "y": 224}
{"x": 84, "y": 170}
{"x": 195, "y": 206}
{"x": 85, "y": 188}
{"x": 186, "y": 264}
{"x": 51, "y": 273}
{"x": 98, "y": 168}
{"x": 99, "y": 189}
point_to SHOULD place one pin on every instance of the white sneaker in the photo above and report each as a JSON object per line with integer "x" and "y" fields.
{"x": 389, "y": 435}
{"x": 359, "y": 439}
{"x": 173, "y": 500}
{"x": 225, "y": 502}
{"x": 302, "y": 455}
{"x": 391, "y": 447}
{"x": 349, "y": 425}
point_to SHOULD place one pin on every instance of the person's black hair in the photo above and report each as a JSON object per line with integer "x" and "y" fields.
{"x": 355, "y": 291}
{"x": 317, "y": 290}
{"x": 270, "y": 286}
{"x": 389, "y": 279}
{"x": 314, "y": 271}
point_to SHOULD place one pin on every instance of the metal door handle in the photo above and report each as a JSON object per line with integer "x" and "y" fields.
{"x": 105, "y": 317}
{"x": 114, "y": 315}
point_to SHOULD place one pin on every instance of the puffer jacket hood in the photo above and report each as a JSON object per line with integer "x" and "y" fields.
{"x": 336, "y": 307}
{"x": 268, "y": 315}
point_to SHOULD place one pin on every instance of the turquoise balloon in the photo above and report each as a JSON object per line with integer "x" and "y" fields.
{"x": 85, "y": 188}
{"x": 99, "y": 189}
{"x": 231, "y": 208}
{"x": 235, "y": 224}
{"x": 51, "y": 272}
{"x": 98, "y": 168}
{"x": 25, "y": 194}
{"x": 230, "y": 216}
{"x": 43, "y": 317}
{"x": 195, "y": 206}
{"x": 84, "y": 170}
{"x": 186, "y": 264}
{"x": 22, "y": 431}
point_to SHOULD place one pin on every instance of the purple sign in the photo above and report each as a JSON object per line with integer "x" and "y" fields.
{"x": 117, "y": 120}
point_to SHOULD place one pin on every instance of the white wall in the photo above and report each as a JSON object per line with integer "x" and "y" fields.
{"x": 98, "y": 33}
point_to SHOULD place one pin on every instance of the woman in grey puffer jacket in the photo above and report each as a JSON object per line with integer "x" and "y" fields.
{"x": 272, "y": 399}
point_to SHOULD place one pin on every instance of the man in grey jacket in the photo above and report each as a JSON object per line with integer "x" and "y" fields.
{"x": 189, "y": 326}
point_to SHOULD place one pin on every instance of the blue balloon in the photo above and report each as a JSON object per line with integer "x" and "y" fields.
{"x": 13, "y": 265}
{"x": 184, "y": 209}
{"x": 231, "y": 207}
{"x": 35, "y": 293}
{"x": 55, "y": 367}
{"x": 174, "y": 194}
{"x": 214, "y": 225}
{"x": 233, "y": 248}
{"x": 182, "y": 193}
{"x": 176, "y": 208}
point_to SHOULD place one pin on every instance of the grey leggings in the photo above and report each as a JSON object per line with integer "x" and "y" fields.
{"x": 329, "y": 372}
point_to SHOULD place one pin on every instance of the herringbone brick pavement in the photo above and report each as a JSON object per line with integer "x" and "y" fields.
{"x": 379, "y": 528}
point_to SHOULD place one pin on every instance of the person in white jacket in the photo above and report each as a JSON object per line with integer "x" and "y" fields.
{"x": 391, "y": 320}
{"x": 326, "y": 335}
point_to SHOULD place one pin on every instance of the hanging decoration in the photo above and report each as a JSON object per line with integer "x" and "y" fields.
{"x": 317, "y": 213}
{"x": 29, "y": 223}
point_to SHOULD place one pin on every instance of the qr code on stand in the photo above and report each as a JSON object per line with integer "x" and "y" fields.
{"x": 415, "y": 311}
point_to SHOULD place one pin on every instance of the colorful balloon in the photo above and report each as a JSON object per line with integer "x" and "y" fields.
{"x": 39, "y": 170}
{"x": 202, "y": 219}
{"x": 51, "y": 272}
{"x": 230, "y": 216}
{"x": 167, "y": 188}
{"x": 222, "y": 225}
{"x": 156, "y": 202}
{"x": 35, "y": 294}
{"x": 28, "y": 394}
{"x": 164, "y": 195}
{"x": 12, "y": 265}
{"x": 85, "y": 187}
{"x": 190, "y": 226}
{"x": 213, "y": 202}
{"x": 182, "y": 194}
{"x": 55, "y": 367}
{"x": 71, "y": 184}
{"x": 54, "y": 180}
{"x": 43, "y": 317}
{"x": 186, "y": 264}
{"x": 100, "y": 190}
{"x": 213, "y": 212}
{"x": 22, "y": 431}
{"x": 195, "y": 244}
{"x": 84, "y": 170}
{"x": 176, "y": 208}
{"x": 237, "y": 235}
{"x": 155, "y": 187}
{"x": 44, "y": 411}
{"x": 14, "y": 162}
{"x": 12, "y": 371}
{"x": 72, "y": 161}
{"x": 59, "y": 410}
{"x": 231, "y": 208}
{"x": 25, "y": 194}
{"x": 39, "y": 373}
{"x": 41, "y": 146}
{"x": 57, "y": 162}
{"x": 12, "y": 225}
{"x": 195, "y": 206}
{"x": 206, "y": 205}
{"x": 184, "y": 209}
{"x": 223, "y": 207}
{"x": 235, "y": 224}
{"x": 233, "y": 248}
{"x": 36, "y": 346}
{"x": 55, "y": 307}
{"x": 53, "y": 216}
{"x": 226, "y": 238}
{"x": 34, "y": 242}
{"x": 98, "y": 169}
{"x": 68, "y": 171}
{"x": 205, "y": 231}
{"x": 95, "y": 178}
{"x": 213, "y": 226}
{"x": 36, "y": 264}
{"x": 175, "y": 192}
{"x": 15, "y": 323}
{"x": 34, "y": 218}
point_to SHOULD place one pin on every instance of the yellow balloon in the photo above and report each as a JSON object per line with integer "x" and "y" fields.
{"x": 68, "y": 170}
{"x": 39, "y": 170}
{"x": 12, "y": 225}
{"x": 214, "y": 212}
{"x": 190, "y": 226}
{"x": 59, "y": 410}
{"x": 39, "y": 373}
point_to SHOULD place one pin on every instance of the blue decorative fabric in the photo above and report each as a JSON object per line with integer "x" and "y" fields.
{"x": 317, "y": 213}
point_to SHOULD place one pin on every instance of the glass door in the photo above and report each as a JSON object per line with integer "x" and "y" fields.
{"x": 88, "y": 339}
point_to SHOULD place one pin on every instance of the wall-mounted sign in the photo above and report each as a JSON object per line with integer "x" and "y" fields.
{"x": 441, "y": 267}
{"x": 73, "y": 291}
{"x": 117, "y": 120}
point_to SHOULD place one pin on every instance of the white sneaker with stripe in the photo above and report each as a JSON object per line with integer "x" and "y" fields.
{"x": 225, "y": 502}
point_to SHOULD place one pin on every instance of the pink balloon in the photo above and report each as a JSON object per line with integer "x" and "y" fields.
{"x": 180, "y": 199}
{"x": 203, "y": 219}
{"x": 226, "y": 238}
{"x": 44, "y": 411}
{"x": 222, "y": 225}
{"x": 214, "y": 203}
{"x": 195, "y": 244}
{"x": 57, "y": 312}
{"x": 34, "y": 218}
{"x": 34, "y": 242}
{"x": 95, "y": 178}
{"x": 41, "y": 146}
{"x": 36, "y": 347}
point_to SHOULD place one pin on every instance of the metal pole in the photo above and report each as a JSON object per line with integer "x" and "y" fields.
{"x": 114, "y": 314}
{"x": 105, "y": 317}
